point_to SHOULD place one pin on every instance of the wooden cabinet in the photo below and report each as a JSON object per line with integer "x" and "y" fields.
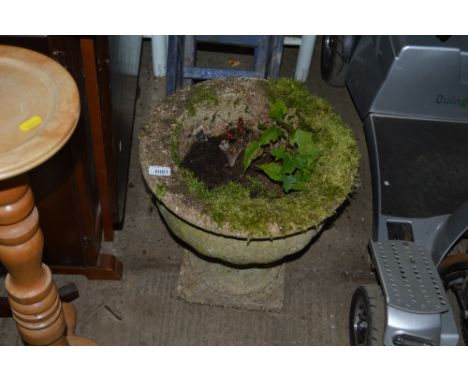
{"x": 80, "y": 191}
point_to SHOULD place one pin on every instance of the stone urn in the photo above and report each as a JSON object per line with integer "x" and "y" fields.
{"x": 235, "y": 240}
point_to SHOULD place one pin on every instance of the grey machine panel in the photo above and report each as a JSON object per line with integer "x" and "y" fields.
{"x": 433, "y": 74}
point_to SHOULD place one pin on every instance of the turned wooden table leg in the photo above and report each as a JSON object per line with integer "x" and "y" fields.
{"x": 39, "y": 110}
{"x": 33, "y": 295}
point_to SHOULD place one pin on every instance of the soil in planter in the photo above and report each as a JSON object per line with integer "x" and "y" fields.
{"x": 210, "y": 164}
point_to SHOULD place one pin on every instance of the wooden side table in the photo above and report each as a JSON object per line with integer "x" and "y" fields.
{"x": 39, "y": 109}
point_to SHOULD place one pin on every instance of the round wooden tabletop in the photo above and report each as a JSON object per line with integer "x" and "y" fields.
{"x": 39, "y": 109}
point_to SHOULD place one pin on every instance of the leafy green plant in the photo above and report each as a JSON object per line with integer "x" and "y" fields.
{"x": 292, "y": 149}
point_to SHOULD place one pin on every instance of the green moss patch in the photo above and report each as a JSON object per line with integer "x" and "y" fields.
{"x": 200, "y": 95}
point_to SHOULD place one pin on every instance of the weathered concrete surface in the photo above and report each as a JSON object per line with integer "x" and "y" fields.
{"x": 232, "y": 249}
{"x": 143, "y": 308}
{"x": 206, "y": 282}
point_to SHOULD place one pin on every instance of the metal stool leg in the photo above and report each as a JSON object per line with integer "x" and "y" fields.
{"x": 276, "y": 54}
{"x": 305, "y": 57}
{"x": 175, "y": 56}
{"x": 159, "y": 55}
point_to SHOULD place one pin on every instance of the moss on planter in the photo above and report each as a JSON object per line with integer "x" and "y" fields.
{"x": 175, "y": 143}
{"x": 314, "y": 112}
{"x": 198, "y": 96}
{"x": 160, "y": 190}
{"x": 331, "y": 183}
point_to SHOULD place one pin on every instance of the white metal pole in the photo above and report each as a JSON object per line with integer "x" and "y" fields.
{"x": 305, "y": 57}
{"x": 159, "y": 53}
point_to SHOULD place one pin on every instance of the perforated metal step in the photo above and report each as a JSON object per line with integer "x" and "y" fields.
{"x": 409, "y": 277}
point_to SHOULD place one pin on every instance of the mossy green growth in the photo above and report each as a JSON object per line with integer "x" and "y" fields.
{"x": 314, "y": 112}
{"x": 331, "y": 183}
{"x": 200, "y": 95}
{"x": 160, "y": 190}
{"x": 174, "y": 144}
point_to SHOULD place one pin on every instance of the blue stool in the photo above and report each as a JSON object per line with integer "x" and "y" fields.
{"x": 181, "y": 69}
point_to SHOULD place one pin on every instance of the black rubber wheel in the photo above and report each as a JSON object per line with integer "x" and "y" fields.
{"x": 332, "y": 66}
{"x": 453, "y": 271}
{"x": 367, "y": 316}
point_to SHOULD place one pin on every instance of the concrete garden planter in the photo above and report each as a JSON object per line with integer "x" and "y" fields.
{"x": 236, "y": 241}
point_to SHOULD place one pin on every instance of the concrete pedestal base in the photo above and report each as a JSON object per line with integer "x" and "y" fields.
{"x": 206, "y": 282}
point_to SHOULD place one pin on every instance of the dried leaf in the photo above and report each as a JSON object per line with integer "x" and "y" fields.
{"x": 233, "y": 63}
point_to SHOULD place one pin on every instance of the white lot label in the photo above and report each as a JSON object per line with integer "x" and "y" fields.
{"x": 159, "y": 171}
